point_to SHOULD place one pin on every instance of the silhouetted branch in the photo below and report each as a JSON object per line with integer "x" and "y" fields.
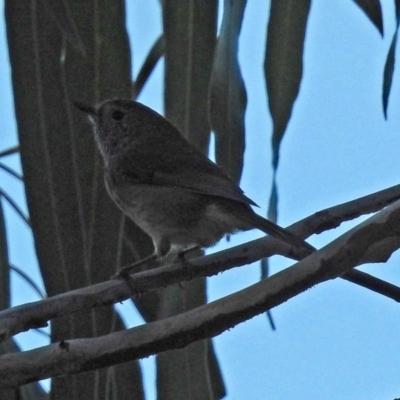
{"x": 373, "y": 240}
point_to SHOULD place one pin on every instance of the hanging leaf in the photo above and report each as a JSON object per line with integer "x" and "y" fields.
{"x": 388, "y": 72}
{"x": 155, "y": 54}
{"x": 4, "y": 264}
{"x": 189, "y": 33}
{"x": 283, "y": 69}
{"x": 228, "y": 97}
{"x": 76, "y": 227}
{"x": 397, "y": 4}
{"x": 63, "y": 17}
{"x": 12, "y": 172}
{"x": 28, "y": 280}
{"x": 373, "y": 10}
{"x": 283, "y": 64}
{"x": 33, "y": 390}
{"x": 7, "y": 152}
{"x": 265, "y": 274}
{"x": 15, "y": 206}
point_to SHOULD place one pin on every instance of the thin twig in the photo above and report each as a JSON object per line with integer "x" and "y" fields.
{"x": 15, "y": 206}
{"x": 11, "y": 150}
{"x": 30, "y": 281}
{"x": 11, "y": 171}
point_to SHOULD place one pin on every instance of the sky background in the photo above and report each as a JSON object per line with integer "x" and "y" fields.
{"x": 336, "y": 340}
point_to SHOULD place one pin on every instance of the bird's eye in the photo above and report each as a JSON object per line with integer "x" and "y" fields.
{"x": 118, "y": 115}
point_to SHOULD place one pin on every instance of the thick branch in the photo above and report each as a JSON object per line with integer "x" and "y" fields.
{"x": 32, "y": 315}
{"x": 36, "y": 314}
{"x": 382, "y": 231}
{"x": 332, "y": 217}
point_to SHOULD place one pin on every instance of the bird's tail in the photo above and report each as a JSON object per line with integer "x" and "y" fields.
{"x": 281, "y": 233}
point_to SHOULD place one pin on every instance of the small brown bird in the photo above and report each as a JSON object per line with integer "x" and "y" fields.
{"x": 174, "y": 193}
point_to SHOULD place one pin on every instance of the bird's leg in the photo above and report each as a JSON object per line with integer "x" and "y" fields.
{"x": 181, "y": 255}
{"x": 185, "y": 263}
{"x": 162, "y": 247}
{"x": 124, "y": 271}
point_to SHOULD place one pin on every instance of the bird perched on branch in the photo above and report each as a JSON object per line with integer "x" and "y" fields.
{"x": 173, "y": 192}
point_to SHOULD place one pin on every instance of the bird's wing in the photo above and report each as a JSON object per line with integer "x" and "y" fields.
{"x": 175, "y": 162}
{"x": 204, "y": 183}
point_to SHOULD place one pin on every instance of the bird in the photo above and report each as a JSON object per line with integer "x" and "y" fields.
{"x": 166, "y": 186}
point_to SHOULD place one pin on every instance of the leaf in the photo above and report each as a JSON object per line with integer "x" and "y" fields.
{"x": 15, "y": 206}
{"x": 283, "y": 69}
{"x": 33, "y": 390}
{"x": 155, "y": 54}
{"x": 397, "y": 5}
{"x": 76, "y": 227}
{"x": 388, "y": 72}
{"x": 62, "y": 14}
{"x": 11, "y": 171}
{"x": 189, "y": 33}
{"x": 12, "y": 150}
{"x": 4, "y": 264}
{"x": 228, "y": 97}
{"x": 273, "y": 201}
{"x": 272, "y": 216}
{"x": 264, "y": 274}
{"x": 283, "y": 64}
{"x": 372, "y": 8}
{"x": 28, "y": 280}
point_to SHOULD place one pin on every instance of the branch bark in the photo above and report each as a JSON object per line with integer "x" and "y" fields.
{"x": 373, "y": 240}
{"x": 33, "y": 315}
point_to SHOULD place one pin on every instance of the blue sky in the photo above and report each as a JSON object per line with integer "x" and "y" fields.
{"x": 336, "y": 340}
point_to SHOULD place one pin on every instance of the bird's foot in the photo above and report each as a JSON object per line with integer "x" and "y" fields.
{"x": 127, "y": 269}
{"x": 124, "y": 272}
{"x": 184, "y": 262}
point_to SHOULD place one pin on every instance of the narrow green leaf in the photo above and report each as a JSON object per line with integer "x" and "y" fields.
{"x": 11, "y": 171}
{"x": 4, "y": 264}
{"x": 228, "y": 97}
{"x": 15, "y": 206}
{"x": 273, "y": 201}
{"x": 397, "y": 4}
{"x": 76, "y": 226}
{"x": 265, "y": 274}
{"x": 28, "y": 280}
{"x": 62, "y": 14}
{"x": 32, "y": 391}
{"x": 189, "y": 33}
{"x": 8, "y": 152}
{"x": 283, "y": 69}
{"x": 372, "y": 8}
{"x": 283, "y": 64}
{"x": 272, "y": 216}
{"x": 388, "y": 72}
{"x": 155, "y": 54}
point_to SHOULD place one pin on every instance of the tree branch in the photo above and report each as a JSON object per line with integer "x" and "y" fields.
{"x": 332, "y": 217}
{"x": 374, "y": 239}
{"x": 33, "y": 315}
{"x": 371, "y": 282}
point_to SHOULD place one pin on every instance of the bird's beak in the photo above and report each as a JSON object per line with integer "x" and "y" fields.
{"x": 85, "y": 108}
